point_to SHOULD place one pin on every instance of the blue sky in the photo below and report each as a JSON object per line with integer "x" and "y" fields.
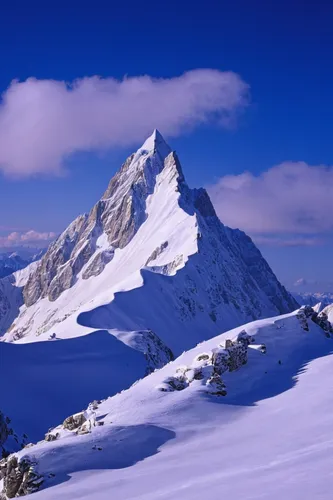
{"x": 282, "y": 50}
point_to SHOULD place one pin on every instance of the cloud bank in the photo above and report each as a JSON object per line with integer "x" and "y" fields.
{"x": 292, "y": 198}
{"x": 27, "y": 238}
{"x": 44, "y": 121}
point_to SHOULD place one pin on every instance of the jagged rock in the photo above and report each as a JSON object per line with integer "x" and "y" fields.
{"x": 94, "y": 404}
{"x": 98, "y": 264}
{"x": 5, "y": 430}
{"x": 210, "y": 366}
{"x": 58, "y": 254}
{"x": 302, "y": 318}
{"x": 203, "y": 357}
{"x": 321, "y": 319}
{"x": 237, "y": 354}
{"x": 157, "y": 252}
{"x": 308, "y": 311}
{"x": 220, "y": 360}
{"x": 74, "y": 421}
{"x": 119, "y": 214}
{"x": 177, "y": 383}
{"x": 20, "y": 478}
{"x": 9, "y": 441}
{"x": 83, "y": 430}
{"x": 156, "y": 352}
{"x": 203, "y": 203}
{"x": 244, "y": 338}
{"x": 324, "y": 323}
{"x": 216, "y": 386}
{"x": 51, "y": 437}
{"x": 263, "y": 349}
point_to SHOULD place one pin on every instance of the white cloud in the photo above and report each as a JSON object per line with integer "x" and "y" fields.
{"x": 44, "y": 121}
{"x": 291, "y": 241}
{"x": 27, "y": 238}
{"x": 290, "y": 198}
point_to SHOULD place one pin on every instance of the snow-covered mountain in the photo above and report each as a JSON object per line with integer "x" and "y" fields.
{"x": 150, "y": 255}
{"x": 245, "y": 415}
{"x": 328, "y": 310}
{"x": 13, "y": 261}
{"x": 11, "y": 295}
{"x": 312, "y": 299}
{"x": 149, "y": 273}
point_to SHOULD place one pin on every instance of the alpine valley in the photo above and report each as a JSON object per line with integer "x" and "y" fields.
{"x": 123, "y": 356}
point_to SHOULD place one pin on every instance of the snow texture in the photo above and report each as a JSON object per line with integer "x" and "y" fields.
{"x": 269, "y": 437}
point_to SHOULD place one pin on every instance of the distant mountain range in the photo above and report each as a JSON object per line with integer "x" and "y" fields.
{"x": 312, "y": 299}
{"x": 14, "y": 261}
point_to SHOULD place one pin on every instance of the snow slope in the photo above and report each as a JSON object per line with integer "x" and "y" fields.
{"x": 151, "y": 255}
{"x": 269, "y": 437}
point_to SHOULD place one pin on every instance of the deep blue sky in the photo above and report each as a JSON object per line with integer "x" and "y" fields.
{"x": 282, "y": 49}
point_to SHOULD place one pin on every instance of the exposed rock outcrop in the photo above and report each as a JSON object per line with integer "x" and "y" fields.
{"x": 74, "y": 421}
{"x": 9, "y": 440}
{"x": 157, "y": 354}
{"x": 209, "y": 367}
{"x": 307, "y": 313}
{"x": 5, "y": 431}
{"x": 20, "y": 478}
{"x": 98, "y": 263}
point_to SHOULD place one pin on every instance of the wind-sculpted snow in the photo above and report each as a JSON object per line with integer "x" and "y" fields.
{"x": 236, "y": 414}
{"x": 151, "y": 255}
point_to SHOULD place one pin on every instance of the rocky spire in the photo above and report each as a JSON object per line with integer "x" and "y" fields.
{"x": 118, "y": 215}
{"x": 156, "y": 144}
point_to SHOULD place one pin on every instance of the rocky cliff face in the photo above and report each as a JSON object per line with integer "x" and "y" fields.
{"x": 4, "y": 430}
{"x": 117, "y": 216}
{"x": 9, "y": 440}
{"x": 327, "y": 313}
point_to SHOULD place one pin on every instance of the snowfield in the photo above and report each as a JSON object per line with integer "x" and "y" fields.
{"x": 269, "y": 437}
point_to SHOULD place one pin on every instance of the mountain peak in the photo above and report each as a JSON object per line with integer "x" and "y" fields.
{"x": 156, "y": 143}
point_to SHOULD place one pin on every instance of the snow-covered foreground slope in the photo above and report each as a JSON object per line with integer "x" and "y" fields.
{"x": 151, "y": 255}
{"x": 45, "y": 381}
{"x": 269, "y": 437}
